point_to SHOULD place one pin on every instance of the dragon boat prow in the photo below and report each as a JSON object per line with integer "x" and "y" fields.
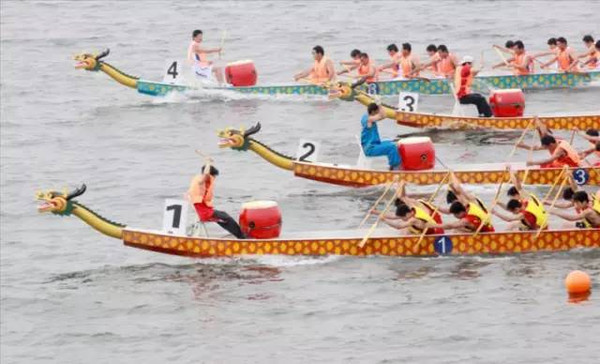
{"x": 383, "y": 241}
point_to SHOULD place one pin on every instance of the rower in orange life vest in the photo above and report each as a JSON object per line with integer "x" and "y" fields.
{"x": 196, "y": 56}
{"x": 200, "y": 194}
{"x": 552, "y": 51}
{"x": 564, "y": 57}
{"x": 588, "y": 212}
{"x": 394, "y": 63}
{"x": 591, "y": 53}
{"x": 434, "y": 57}
{"x": 323, "y": 69}
{"x": 467, "y": 208}
{"x": 520, "y": 62}
{"x": 592, "y": 136}
{"x": 527, "y": 212}
{"x": 561, "y": 152}
{"x": 462, "y": 85}
{"x": 408, "y": 62}
{"x": 355, "y": 59}
{"x": 367, "y": 72}
{"x": 444, "y": 63}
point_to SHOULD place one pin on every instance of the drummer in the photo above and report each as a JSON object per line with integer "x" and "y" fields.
{"x": 196, "y": 57}
{"x": 322, "y": 71}
{"x": 370, "y": 141}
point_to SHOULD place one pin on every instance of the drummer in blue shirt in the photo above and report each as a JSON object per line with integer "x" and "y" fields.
{"x": 370, "y": 141}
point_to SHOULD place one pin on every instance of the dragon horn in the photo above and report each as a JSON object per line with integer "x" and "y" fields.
{"x": 103, "y": 54}
{"x": 77, "y": 192}
{"x": 253, "y": 130}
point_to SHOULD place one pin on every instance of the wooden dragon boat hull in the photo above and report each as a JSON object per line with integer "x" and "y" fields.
{"x": 390, "y": 88}
{"x": 355, "y": 177}
{"x": 386, "y": 244}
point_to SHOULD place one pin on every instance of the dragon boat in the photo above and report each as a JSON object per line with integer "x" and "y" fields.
{"x": 352, "y": 176}
{"x": 383, "y": 242}
{"x": 91, "y": 62}
{"x": 346, "y": 92}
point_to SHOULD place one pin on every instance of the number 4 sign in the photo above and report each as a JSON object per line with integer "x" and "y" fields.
{"x": 173, "y": 74}
{"x": 175, "y": 216}
{"x": 408, "y": 101}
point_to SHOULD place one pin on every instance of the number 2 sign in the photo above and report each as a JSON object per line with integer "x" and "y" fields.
{"x": 175, "y": 216}
{"x": 308, "y": 151}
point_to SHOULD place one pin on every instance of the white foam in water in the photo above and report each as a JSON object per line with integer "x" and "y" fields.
{"x": 292, "y": 261}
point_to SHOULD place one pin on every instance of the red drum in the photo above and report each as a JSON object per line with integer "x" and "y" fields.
{"x": 261, "y": 219}
{"x": 417, "y": 153}
{"x": 241, "y": 73}
{"x": 507, "y": 103}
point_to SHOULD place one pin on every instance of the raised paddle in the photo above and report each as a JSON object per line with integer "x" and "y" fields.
{"x": 385, "y": 191}
{"x": 374, "y": 226}
{"x": 512, "y": 152}
{"x": 562, "y": 172}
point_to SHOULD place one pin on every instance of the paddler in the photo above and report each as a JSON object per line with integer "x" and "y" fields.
{"x": 322, "y": 70}
{"x": 467, "y": 208}
{"x": 561, "y": 152}
{"x": 200, "y": 194}
{"x": 394, "y": 63}
{"x": 196, "y": 57}
{"x": 564, "y": 57}
{"x": 588, "y": 212}
{"x": 593, "y": 137}
{"x": 591, "y": 52}
{"x": 414, "y": 219}
{"x": 370, "y": 141}
{"x": 367, "y": 72}
{"x": 593, "y": 62}
{"x": 354, "y": 58}
{"x": 434, "y": 59}
{"x": 528, "y": 213}
{"x": 462, "y": 84}
{"x": 520, "y": 62}
{"x": 444, "y": 63}
{"x": 552, "y": 51}
{"x": 420, "y": 203}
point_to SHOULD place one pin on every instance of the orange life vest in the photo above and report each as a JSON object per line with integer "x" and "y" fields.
{"x": 202, "y": 192}
{"x": 364, "y": 70}
{"x": 319, "y": 72}
{"x": 446, "y": 66}
{"x": 406, "y": 63}
{"x": 571, "y": 157}
{"x": 519, "y": 60}
{"x": 565, "y": 59}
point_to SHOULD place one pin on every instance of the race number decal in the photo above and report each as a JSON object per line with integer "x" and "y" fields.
{"x": 173, "y": 74}
{"x": 443, "y": 245}
{"x": 408, "y": 101}
{"x": 581, "y": 176}
{"x": 175, "y": 216}
{"x": 373, "y": 89}
{"x": 308, "y": 151}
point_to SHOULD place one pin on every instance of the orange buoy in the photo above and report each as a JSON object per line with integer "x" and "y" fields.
{"x": 578, "y": 282}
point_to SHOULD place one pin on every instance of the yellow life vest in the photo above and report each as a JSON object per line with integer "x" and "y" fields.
{"x": 535, "y": 207}
{"x": 423, "y": 216}
{"x": 478, "y": 209}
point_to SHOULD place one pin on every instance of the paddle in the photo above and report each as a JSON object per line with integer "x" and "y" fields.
{"x": 519, "y": 140}
{"x": 562, "y": 185}
{"x": 374, "y": 226}
{"x": 562, "y": 172}
{"x": 223, "y": 35}
{"x": 502, "y": 56}
{"x": 385, "y": 191}
{"x": 408, "y": 78}
{"x": 493, "y": 205}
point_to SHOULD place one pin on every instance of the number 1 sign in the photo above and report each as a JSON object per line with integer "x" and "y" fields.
{"x": 175, "y": 216}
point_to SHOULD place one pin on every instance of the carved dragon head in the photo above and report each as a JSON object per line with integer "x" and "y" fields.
{"x": 90, "y": 62}
{"x": 342, "y": 90}
{"x": 237, "y": 139}
{"x": 59, "y": 203}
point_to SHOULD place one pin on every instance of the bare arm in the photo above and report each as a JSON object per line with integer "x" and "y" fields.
{"x": 568, "y": 217}
{"x": 550, "y": 159}
{"x": 351, "y": 67}
{"x": 507, "y": 218}
{"x": 200, "y": 49}
{"x": 560, "y": 204}
{"x": 302, "y": 74}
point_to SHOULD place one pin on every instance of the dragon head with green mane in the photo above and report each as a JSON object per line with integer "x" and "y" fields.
{"x": 90, "y": 62}
{"x": 237, "y": 139}
{"x": 342, "y": 90}
{"x": 59, "y": 203}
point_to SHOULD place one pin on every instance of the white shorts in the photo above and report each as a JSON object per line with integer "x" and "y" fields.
{"x": 203, "y": 72}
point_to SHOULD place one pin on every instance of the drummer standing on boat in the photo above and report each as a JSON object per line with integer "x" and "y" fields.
{"x": 196, "y": 56}
{"x": 200, "y": 194}
{"x": 370, "y": 141}
{"x": 323, "y": 70}
{"x": 462, "y": 85}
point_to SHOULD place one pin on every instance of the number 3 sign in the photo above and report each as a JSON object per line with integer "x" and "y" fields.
{"x": 175, "y": 216}
{"x": 408, "y": 101}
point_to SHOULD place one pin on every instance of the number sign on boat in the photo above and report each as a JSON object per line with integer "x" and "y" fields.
{"x": 581, "y": 176}
{"x": 443, "y": 245}
{"x": 173, "y": 75}
{"x": 408, "y": 101}
{"x": 308, "y": 151}
{"x": 175, "y": 216}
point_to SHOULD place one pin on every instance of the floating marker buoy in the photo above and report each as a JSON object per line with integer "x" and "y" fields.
{"x": 578, "y": 285}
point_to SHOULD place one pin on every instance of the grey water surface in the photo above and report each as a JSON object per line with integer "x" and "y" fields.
{"x": 71, "y": 295}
